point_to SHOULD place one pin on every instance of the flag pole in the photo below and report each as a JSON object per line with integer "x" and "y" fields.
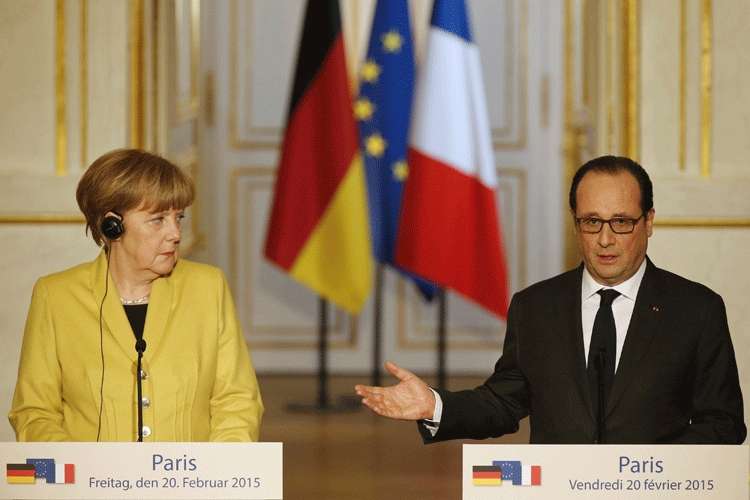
{"x": 323, "y": 402}
{"x": 441, "y": 330}
{"x": 377, "y": 355}
{"x": 323, "y": 353}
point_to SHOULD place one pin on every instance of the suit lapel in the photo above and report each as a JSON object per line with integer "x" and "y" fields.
{"x": 113, "y": 314}
{"x": 641, "y": 330}
{"x": 571, "y": 311}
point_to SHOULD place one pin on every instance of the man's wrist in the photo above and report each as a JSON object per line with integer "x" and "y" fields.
{"x": 437, "y": 407}
{"x": 429, "y": 412}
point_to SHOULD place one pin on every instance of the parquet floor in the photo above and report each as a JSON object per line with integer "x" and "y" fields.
{"x": 358, "y": 455}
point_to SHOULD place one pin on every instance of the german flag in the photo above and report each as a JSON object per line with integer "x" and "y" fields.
{"x": 318, "y": 230}
{"x": 19, "y": 473}
{"x": 486, "y": 475}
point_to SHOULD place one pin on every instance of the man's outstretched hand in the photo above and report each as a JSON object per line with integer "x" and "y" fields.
{"x": 410, "y": 399}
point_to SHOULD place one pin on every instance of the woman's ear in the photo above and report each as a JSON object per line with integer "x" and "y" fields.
{"x": 112, "y": 227}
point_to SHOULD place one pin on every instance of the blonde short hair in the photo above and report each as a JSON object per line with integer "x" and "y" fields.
{"x": 127, "y": 179}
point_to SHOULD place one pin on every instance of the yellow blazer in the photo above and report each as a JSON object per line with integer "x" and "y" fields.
{"x": 198, "y": 376}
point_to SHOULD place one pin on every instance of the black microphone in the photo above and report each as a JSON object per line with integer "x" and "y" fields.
{"x": 601, "y": 363}
{"x": 140, "y": 347}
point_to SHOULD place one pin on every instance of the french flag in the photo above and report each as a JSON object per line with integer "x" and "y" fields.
{"x": 64, "y": 474}
{"x": 53, "y": 473}
{"x": 449, "y": 231}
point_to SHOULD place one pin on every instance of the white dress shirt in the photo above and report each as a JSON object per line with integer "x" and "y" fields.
{"x": 622, "y": 309}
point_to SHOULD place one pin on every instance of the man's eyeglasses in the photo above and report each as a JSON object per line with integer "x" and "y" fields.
{"x": 618, "y": 225}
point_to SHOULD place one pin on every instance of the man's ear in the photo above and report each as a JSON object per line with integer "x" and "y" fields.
{"x": 650, "y": 222}
{"x": 575, "y": 226}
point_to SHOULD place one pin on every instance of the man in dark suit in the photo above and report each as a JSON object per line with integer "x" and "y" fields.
{"x": 615, "y": 351}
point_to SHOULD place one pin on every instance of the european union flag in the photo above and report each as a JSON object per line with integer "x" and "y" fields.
{"x": 511, "y": 470}
{"x": 383, "y": 110}
{"x": 44, "y": 468}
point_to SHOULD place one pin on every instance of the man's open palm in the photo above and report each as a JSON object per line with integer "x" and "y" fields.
{"x": 410, "y": 399}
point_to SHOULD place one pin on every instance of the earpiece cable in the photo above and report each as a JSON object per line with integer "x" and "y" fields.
{"x": 101, "y": 349}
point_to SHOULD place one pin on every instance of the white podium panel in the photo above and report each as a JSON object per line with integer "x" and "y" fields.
{"x": 602, "y": 472}
{"x": 141, "y": 470}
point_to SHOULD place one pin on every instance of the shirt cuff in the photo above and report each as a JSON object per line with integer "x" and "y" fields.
{"x": 433, "y": 424}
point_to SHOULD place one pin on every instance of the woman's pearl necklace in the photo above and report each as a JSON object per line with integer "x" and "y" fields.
{"x": 135, "y": 302}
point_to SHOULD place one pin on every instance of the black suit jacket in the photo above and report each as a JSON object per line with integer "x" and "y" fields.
{"x": 676, "y": 381}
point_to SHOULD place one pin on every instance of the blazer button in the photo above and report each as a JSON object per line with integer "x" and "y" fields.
{"x": 146, "y": 431}
{"x": 146, "y": 402}
{"x": 144, "y": 375}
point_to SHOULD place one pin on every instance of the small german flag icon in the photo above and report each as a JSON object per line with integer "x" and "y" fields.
{"x": 486, "y": 475}
{"x": 19, "y": 473}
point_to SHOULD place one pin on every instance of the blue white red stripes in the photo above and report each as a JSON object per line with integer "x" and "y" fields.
{"x": 449, "y": 230}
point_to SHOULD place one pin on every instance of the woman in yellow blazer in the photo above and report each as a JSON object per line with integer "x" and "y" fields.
{"x": 77, "y": 373}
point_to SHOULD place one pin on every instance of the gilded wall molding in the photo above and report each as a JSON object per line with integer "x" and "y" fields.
{"x": 631, "y": 78}
{"x": 704, "y": 222}
{"x": 609, "y": 77}
{"x": 62, "y": 140}
{"x": 137, "y": 73}
{"x": 706, "y": 85}
{"x": 571, "y": 150}
{"x": 235, "y": 141}
{"x": 195, "y": 41}
{"x": 544, "y": 101}
{"x": 84, "y": 85}
{"x": 521, "y": 84}
{"x": 508, "y": 98}
{"x": 187, "y": 109}
{"x": 61, "y": 132}
{"x": 155, "y": 75}
{"x": 351, "y": 22}
{"x": 42, "y": 219}
{"x": 682, "y": 141}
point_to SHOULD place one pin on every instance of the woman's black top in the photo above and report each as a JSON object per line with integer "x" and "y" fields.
{"x": 137, "y": 318}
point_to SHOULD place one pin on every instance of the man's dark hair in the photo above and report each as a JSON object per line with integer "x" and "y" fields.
{"x": 613, "y": 165}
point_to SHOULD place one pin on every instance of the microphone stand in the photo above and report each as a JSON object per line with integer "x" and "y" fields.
{"x": 601, "y": 361}
{"x": 140, "y": 347}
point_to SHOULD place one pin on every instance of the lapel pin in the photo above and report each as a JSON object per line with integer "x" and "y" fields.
{"x": 655, "y": 309}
